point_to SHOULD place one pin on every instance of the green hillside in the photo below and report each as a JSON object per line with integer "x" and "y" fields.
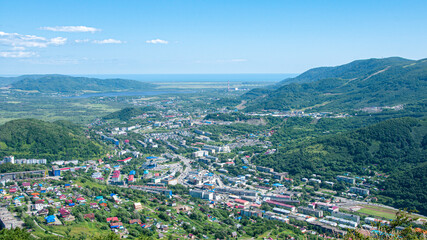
{"x": 355, "y": 69}
{"x": 128, "y": 113}
{"x": 31, "y": 138}
{"x": 69, "y": 84}
{"x": 391, "y": 147}
{"x": 365, "y": 83}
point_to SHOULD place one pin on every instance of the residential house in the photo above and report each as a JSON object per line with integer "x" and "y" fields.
{"x": 90, "y": 216}
{"x": 112, "y": 219}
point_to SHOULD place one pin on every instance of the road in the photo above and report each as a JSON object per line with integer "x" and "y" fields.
{"x": 56, "y": 234}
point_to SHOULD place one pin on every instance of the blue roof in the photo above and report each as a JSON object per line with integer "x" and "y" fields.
{"x": 151, "y": 157}
{"x": 50, "y": 217}
{"x": 67, "y": 184}
{"x": 278, "y": 185}
{"x": 112, "y": 194}
{"x": 244, "y": 167}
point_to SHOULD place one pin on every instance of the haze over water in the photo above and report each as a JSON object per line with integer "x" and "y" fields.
{"x": 197, "y": 77}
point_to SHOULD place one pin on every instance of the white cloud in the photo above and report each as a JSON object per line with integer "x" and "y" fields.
{"x": 239, "y": 60}
{"x": 107, "y": 41}
{"x": 20, "y": 40}
{"x": 58, "y": 41}
{"x": 71, "y": 29}
{"x": 18, "y": 48}
{"x": 156, "y": 41}
{"x": 81, "y": 40}
{"x": 17, "y": 54}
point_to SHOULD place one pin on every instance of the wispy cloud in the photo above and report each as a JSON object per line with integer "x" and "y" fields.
{"x": 82, "y": 40}
{"x": 71, "y": 29}
{"x": 157, "y": 41}
{"x": 107, "y": 41}
{"x": 20, "y": 40}
{"x": 17, "y": 54}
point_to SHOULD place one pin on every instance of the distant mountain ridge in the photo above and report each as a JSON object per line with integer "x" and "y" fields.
{"x": 362, "y": 83}
{"x": 355, "y": 69}
{"x": 69, "y": 84}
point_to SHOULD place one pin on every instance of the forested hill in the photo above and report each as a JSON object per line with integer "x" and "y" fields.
{"x": 61, "y": 140}
{"x": 70, "y": 84}
{"x": 355, "y": 69}
{"x": 394, "y": 147}
{"x": 128, "y": 113}
{"x": 365, "y": 83}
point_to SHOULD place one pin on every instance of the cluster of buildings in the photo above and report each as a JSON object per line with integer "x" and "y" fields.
{"x": 12, "y": 160}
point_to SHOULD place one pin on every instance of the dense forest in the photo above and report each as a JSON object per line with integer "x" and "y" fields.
{"x": 69, "y": 84}
{"x": 347, "y": 88}
{"x": 61, "y": 140}
{"x": 407, "y": 189}
{"x": 390, "y": 147}
{"x": 128, "y": 113}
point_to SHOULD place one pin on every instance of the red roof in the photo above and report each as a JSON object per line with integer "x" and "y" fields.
{"x": 130, "y": 178}
{"x": 240, "y": 201}
{"x": 112, "y": 219}
{"x": 80, "y": 199}
{"x": 125, "y": 160}
{"x": 279, "y": 204}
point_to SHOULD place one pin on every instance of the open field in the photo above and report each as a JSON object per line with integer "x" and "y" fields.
{"x": 209, "y": 85}
{"x": 380, "y": 212}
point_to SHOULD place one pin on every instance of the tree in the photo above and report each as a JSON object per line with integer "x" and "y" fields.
{"x": 14, "y": 234}
{"x": 403, "y": 219}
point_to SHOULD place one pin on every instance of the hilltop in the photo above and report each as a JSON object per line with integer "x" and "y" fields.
{"x": 355, "y": 69}
{"x": 363, "y": 83}
{"x": 69, "y": 84}
{"x": 31, "y": 138}
{"x": 128, "y": 113}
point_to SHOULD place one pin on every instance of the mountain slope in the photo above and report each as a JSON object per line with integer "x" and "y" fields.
{"x": 31, "y": 138}
{"x": 69, "y": 84}
{"x": 382, "y": 86}
{"x": 355, "y": 69}
{"x": 391, "y": 147}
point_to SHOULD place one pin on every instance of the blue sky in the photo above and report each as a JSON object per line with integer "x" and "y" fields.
{"x": 232, "y": 36}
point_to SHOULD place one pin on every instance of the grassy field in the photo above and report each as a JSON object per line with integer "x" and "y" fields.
{"x": 379, "y": 212}
{"x": 90, "y": 228}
